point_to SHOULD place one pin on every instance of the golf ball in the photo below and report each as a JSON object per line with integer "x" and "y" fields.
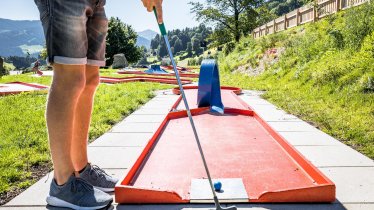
{"x": 217, "y": 186}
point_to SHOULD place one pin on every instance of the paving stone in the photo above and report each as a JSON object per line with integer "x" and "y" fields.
{"x": 129, "y": 127}
{"x": 353, "y": 184}
{"x": 332, "y": 156}
{"x": 281, "y": 207}
{"x": 254, "y": 99}
{"x": 165, "y": 98}
{"x": 162, "y": 101}
{"x": 316, "y": 138}
{"x": 155, "y": 105}
{"x": 151, "y": 112}
{"x": 122, "y": 140}
{"x": 255, "y": 104}
{"x": 359, "y": 206}
{"x": 241, "y": 207}
{"x": 292, "y": 126}
{"x": 144, "y": 119}
{"x": 114, "y": 157}
{"x": 34, "y": 195}
{"x": 274, "y": 115}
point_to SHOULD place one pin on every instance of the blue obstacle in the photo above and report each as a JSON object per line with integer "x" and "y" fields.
{"x": 156, "y": 69}
{"x": 209, "y": 90}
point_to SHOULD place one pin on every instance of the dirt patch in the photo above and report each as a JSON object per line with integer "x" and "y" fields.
{"x": 37, "y": 172}
{"x": 269, "y": 58}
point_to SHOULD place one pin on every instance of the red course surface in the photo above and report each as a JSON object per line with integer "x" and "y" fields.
{"x": 13, "y": 88}
{"x": 238, "y": 144}
{"x": 188, "y": 75}
{"x": 164, "y": 80}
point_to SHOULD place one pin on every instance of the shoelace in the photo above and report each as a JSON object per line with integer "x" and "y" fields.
{"x": 98, "y": 171}
{"x": 79, "y": 184}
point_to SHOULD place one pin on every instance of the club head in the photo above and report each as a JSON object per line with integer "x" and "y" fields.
{"x": 219, "y": 207}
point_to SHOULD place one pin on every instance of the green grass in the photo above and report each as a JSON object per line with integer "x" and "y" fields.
{"x": 23, "y": 135}
{"x": 325, "y": 76}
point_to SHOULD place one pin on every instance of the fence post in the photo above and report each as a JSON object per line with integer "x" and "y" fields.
{"x": 285, "y": 22}
{"x": 297, "y": 17}
{"x": 315, "y": 12}
{"x": 338, "y": 5}
{"x": 274, "y": 27}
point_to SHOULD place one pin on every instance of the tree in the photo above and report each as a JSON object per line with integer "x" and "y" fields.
{"x": 227, "y": 14}
{"x": 121, "y": 39}
{"x": 162, "y": 49}
{"x": 281, "y": 7}
{"x": 43, "y": 54}
{"x": 180, "y": 38}
{"x": 178, "y": 46}
{"x": 173, "y": 40}
{"x": 155, "y": 42}
{"x": 189, "y": 48}
{"x": 196, "y": 46}
{"x": 21, "y": 62}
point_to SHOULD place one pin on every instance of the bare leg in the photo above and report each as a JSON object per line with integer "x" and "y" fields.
{"x": 68, "y": 84}
{"x": 83, "y": 118}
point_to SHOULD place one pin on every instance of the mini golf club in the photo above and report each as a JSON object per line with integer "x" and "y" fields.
{"x": 164, "y": 34}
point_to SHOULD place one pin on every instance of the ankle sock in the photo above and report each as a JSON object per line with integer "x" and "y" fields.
{"x": 83, "y": 169}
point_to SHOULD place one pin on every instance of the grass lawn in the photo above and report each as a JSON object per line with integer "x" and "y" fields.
{"x": 24, "y": 145}
{"x": 325, "y": 75}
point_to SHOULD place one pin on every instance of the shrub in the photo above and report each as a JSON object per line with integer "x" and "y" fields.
{"x": 337, "y": 38}
{"x": 359, "y": 23}
{"x": 367, "y": 83}
{"x": 228, "y": 48}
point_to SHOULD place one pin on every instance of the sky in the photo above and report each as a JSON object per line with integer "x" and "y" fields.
{"x": 176, "y": 13}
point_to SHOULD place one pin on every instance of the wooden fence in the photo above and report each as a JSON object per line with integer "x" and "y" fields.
{"x": 305, "y": 14}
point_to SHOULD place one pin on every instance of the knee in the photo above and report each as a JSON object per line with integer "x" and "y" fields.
{"x": 74, "y": 85}
{"x": 92, "y": 81}
{"x": 70, "y": 81}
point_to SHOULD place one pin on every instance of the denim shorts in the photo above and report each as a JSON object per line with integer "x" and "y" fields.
{"x": 75, "y": 31}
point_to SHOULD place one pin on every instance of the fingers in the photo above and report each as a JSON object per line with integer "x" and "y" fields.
{"x": 159, "y": 11}
{"x": 150, "y": 4}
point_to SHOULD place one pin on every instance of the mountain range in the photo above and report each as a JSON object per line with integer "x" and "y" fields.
{"x": 19, "y": 37}
{"x": 145, "y": 37}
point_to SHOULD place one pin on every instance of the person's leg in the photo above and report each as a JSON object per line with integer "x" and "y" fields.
{"x": 68, "y": 84}
{"x": 82, "y": 119}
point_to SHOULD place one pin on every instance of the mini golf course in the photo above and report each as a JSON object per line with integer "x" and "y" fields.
{"x": 163, "y": 80}
{"x": 13, "y": 88}
{"x": 251, "y": 160}
{"x": 155, "y": 70}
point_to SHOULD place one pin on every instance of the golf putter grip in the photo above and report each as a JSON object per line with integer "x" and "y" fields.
{"x": 162, "y": 25}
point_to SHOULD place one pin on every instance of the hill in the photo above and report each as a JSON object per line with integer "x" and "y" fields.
{"x": 145, "y": 37}
{"x": 148, "y": 34}
{"x": 281, "y": 7}
{"x": 141, "y": 41}
{"x": 19, "y": 37}
{"x": 322, "y": 72}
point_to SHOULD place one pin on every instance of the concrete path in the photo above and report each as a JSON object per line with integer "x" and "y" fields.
{"x": 116, "y": 151}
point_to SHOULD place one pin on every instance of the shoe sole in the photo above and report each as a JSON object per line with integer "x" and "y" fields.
{"x": 53, "y": 201}
{"x": 107, "y": 190}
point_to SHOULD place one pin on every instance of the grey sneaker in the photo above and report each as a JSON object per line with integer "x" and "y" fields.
{"x": 98, "y": 178}
{"x": 77, "y": 194}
